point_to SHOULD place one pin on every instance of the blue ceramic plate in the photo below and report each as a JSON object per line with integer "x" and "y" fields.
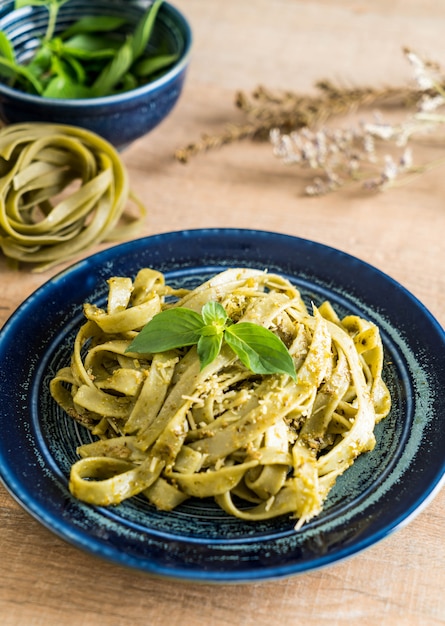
{"x": 377, "y": 495}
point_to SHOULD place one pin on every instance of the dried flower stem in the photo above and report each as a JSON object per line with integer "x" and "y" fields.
{"x": 374, "y": 153}
{"x": 367, "y": 153}
{"x": 287, "y": 111}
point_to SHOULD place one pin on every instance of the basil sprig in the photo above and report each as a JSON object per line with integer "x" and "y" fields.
{"x": 94, "y": 57}
{"x": 258, "y": 348}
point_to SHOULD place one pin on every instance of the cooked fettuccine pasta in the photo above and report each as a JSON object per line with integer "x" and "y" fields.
{"x": 261, "y": 445}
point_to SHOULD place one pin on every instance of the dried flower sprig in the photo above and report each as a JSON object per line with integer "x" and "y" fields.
{"x": 349, "y": 155}
{"x": 296, "y": 126}
{"x": 342, "y": 156}
{"x": 265, "y": 110}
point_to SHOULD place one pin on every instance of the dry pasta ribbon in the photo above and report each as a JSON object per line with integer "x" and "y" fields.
{"x": 62, "y": 190}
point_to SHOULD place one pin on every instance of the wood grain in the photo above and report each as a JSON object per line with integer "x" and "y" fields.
{"x": 239, "y": 44}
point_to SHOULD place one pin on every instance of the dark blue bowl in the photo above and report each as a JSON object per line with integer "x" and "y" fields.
{"x": 121, "y": 118}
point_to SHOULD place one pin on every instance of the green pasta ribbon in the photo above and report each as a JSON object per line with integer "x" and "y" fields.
{"x": 62, "y": 190}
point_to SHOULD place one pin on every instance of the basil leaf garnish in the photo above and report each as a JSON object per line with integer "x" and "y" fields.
{"x": 213, "y": 313}
{"x": 258, "y": 348}
{"x": 173, "y": 328}
{"x": 209, "y": 346}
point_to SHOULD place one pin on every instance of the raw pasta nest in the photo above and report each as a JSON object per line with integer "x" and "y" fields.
{"x": 261, "y": 445}
{"x": 62, "y": 189}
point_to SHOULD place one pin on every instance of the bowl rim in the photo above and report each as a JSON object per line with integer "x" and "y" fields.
{"x": 131, "y": 94}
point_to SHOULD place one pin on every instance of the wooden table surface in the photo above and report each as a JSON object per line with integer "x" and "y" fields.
{"x": 238, "y": 45}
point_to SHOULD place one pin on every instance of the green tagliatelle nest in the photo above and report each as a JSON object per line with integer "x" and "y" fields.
{"x": 62, "y": 189}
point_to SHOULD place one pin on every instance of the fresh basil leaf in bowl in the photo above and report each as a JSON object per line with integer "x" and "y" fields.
{"x": 111, "y": 67}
